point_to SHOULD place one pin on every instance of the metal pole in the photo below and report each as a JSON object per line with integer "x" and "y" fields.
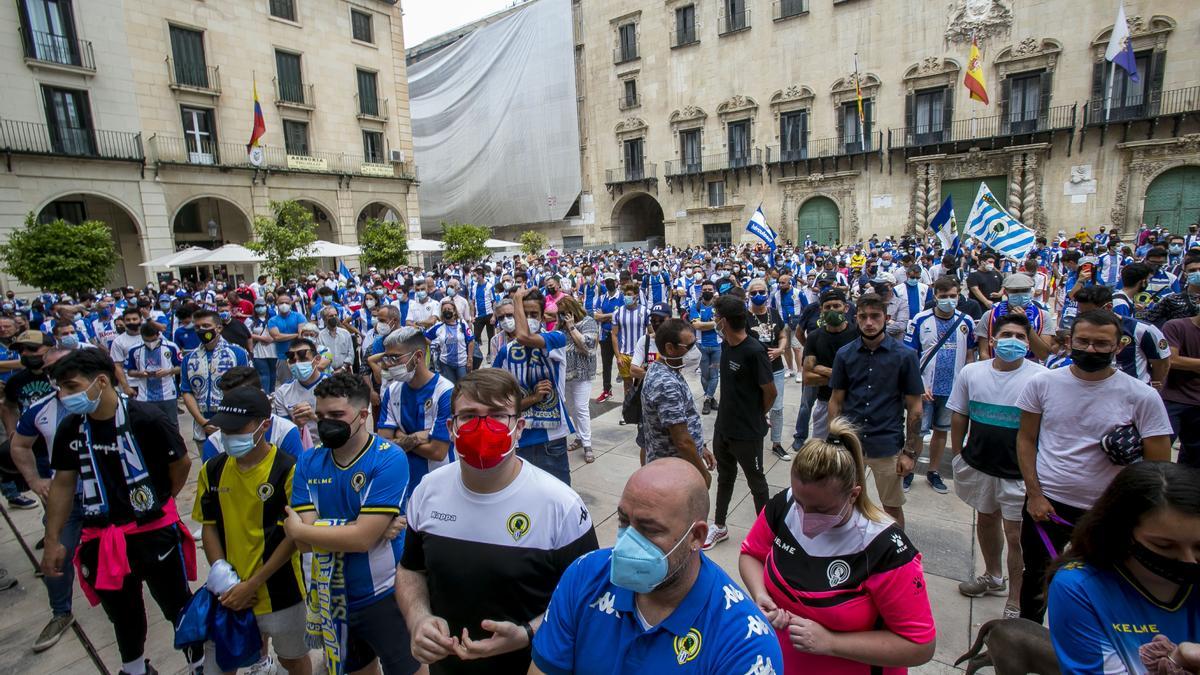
{"x": 1112, "y": 75}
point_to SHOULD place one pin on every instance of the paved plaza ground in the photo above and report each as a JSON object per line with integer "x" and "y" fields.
{"x": 941, "y": 526}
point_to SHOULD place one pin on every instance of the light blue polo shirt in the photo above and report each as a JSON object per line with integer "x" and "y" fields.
{"x": 592, "y": 627}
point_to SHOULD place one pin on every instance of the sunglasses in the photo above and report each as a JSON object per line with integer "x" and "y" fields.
{"x": 303, "y": 355}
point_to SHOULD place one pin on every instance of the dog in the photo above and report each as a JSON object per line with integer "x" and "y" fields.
{"x": 1014, "y": 647}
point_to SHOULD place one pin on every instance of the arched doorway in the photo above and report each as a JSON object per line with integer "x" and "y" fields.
{"x": 819, "y": 221}
{"x": 639, "y": 217}
{"x": 376, "y": 211}
{"x": 1173, "y": 199}
{"x": 76, "y": 208}
{"x": 208, "y": 222}
{"x": 326, "y": 223}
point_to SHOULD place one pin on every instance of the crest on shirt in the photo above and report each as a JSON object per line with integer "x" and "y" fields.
{"x": 1162, "y": 345}
{"x": 428, "y": 403}
{"x": 1125, "y": 341}
{"x": 837, "y": 573}
{"x": 358, "y": 480}
{"x": 141, "y": 499}
{"x": 265, "y": 490}
{"x": 687, "y": 646}
{"x": 518, "y": 526}
{"x": 962, "y": 328}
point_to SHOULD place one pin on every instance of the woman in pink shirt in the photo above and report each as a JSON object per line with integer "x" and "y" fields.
{"x": 842, "y": 585}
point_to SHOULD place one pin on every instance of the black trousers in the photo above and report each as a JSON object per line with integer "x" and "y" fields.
{"x": 155, "y": 558}
{"x": 730, "y": 454}
{"x": 1037, "y": 559}
{"x": 606, "y": 359}
{"x": 481, "y": 324}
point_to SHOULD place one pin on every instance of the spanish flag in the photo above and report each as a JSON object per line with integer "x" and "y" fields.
{"x": 254, "y": 147}
{"x": 974, "y": 77}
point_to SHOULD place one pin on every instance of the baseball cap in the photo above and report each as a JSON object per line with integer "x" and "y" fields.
{"x": 240, "y": 406}
{"x": 34, "y": 337}
{"x": 1018, "y": 281}
{"x": 826, "y": 278}
{"x": 661, "y": 309}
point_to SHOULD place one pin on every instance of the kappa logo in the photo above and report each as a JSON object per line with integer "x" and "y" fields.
{"x": 583, "y": 514}
{"x": 733, "y": 595}
{"x": 265, "y": 491}
{"x": 687, "y": 646}
{"x": 756, "y": 626}
{"x": 837, "y": 573}
{"x": 358, "y": 480}
{"x": 518, "y": 526}
{"x": 604, "y": 605}
{"x": 762, "y": 666}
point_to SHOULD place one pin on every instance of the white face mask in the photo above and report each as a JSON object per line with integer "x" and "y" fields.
{"x": 508, "y": 324}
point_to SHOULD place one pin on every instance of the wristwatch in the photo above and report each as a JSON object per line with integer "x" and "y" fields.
{"x": 528, "y": 631}
{"x": 910, "y": 454}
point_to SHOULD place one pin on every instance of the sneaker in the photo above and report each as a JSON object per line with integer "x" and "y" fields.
{"x": 622, "y": 422}
{"x": 983, "y": 584}
{"x": 265, "y": 666}
{"x": 799, "y": 378}
{"x": 787, "y": 372}
{"x": 22, "y": 502}
{"x": 935, "y": 482}
{"x": 716, "y": 535}
{"x": 149, "y": 669}
{"x": 53, "y": 631}
{"x": 707, "y": 407}
{"x": 604, "y": 396}
{"x": 198, "y": 534}
{"x": 6, "y": 581}
{"x": 907, "y": 482}
{"x": 779, "y": 452}
{"x": 1011, "y": 612}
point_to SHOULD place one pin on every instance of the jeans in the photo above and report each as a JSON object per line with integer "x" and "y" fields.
{"x": 804, "y": 415}
{"x": 170, "y": 408}
{"x": 452, "y": 373}
{"x": 578, "y": 393}
{"x": 710, "y": 369}
{"x": 777, "y": 407}
{"x": 606, "y": 359}
{"x": 266, "y": 372}
{"x": 731, "y": 453}
{"x": 1185, "y": 422}
{"x": 550, "y": 457}
{"x": 1037, "y": 558}
{"x": 60, "y": 588}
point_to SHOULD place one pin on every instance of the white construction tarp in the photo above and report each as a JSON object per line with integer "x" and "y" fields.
{"x": 495, "y": 122}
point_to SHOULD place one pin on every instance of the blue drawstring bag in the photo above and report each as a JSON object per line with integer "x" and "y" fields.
{"x": 234, "y": 634}
{"x": 192, "y": 625}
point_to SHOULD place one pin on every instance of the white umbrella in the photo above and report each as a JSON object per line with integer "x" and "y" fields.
{"x": 500, "y": 243}
{"x": 178, "y": 258}
{"x": 229, "y": 254}
{"x": 424, "y": 245}
{"x": 328, "y": 249}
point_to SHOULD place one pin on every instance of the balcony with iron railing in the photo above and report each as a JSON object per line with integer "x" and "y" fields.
{"x": 992, "y": 132}
{"x": 371, "y": 108}
{"x": 629, "y": 101}
{"x": 625, "y": 54}
{"x": 294, "y": 94}
{"x": 709, "y": 163}
{"x": 57, "y": 51}
{"x": 786, "y": 9}
{"x": 197, "y": 77}
{"x": 733, "y": 22}
{"x": 631, "y": 174}
{"x": 206, "y": 152}
{"x": 34, "y": 138}
{"x": 1099, "y": 111}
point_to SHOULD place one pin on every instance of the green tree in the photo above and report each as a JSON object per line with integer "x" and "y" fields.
{"x": 533, "y": 242}
{"x": 464, "y": 243}
{"x": 384, "y": 244}
{"x": 60, "y": 256}
{"x": 284, "y": 240}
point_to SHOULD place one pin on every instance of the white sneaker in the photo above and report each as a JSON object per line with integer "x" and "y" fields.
{"x": 787, "y": 373}
{"x": 265, "y": 666}
{"x": 198, "y": 533}
{"x": 715, "y": 536}
{"x": 799, "y": 378}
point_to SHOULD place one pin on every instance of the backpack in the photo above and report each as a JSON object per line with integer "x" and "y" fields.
{"x": 631, "y": 408}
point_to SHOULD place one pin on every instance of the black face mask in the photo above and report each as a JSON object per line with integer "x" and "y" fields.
{"x": 447, "y": 316}
{"x": 133, "y": 329}
{"x": 334, "y": 433}
{"x": 33, "y": 361}
{"x": 611, "y": 286}
{"x": 707, "y": 295}
{"x": 208, "y": 336}
{"x": 1091, "y": 362}
{"x": 1175, "y": 571}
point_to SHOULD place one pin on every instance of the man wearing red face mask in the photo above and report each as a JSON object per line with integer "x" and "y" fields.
{"x": 488, "y": 538}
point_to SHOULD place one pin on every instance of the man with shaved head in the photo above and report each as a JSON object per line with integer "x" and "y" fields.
{"x": 654, "y": 601}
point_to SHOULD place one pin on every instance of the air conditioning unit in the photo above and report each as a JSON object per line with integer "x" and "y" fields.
{"x": 398, "y": 156}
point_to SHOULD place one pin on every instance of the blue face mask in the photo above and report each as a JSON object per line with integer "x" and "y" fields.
{"x": 758, "y": 298}
{"x": 1019, "y": 299}
{"x": 302, "y": 370}
{"x": 1193, "y": 278}
{"x": 912, "y": 282}
{"x": 630, "y": 300}
{"x": 238, "y": 445}
{"x": 637, "y": 564}
{"x": 165, "y": 305}
{"x": 68, "y": 341}
{"x": 1010, "y": 349}
{"x": 79, "y": 403}
{"x": 224, "y": 316}
{"x": 947, "y": 305}
{"x": 421, "y": 295}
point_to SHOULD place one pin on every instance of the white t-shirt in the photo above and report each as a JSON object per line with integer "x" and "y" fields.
{"x": 119, "y": 351}
{"x": 640, "y": 350}
{"x": 422, "y": 311}
{"x": 1076, "y": 414}
{"x": 288, "y": 395}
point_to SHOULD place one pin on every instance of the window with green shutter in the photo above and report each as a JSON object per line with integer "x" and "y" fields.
{"x": 368, "y": 93}
{"x": 284, "y": 9}
{"x": 295, "y": 137}
{"x": 360, "y": 26}
{"x": 187, "y": 51}
{"x": 291, "y": 82}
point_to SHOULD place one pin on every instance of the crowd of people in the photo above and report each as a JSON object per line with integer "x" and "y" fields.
{"x": 383, "y": 469}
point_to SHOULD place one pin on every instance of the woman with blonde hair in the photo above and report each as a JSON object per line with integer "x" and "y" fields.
{"x": 840, "y": 582}
{"x": 583, "y": 336}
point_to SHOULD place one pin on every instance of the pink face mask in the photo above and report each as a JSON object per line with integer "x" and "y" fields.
{"x": 815, "y": 524}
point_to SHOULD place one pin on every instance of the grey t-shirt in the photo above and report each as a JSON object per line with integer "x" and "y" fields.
{"x": 666, "y": 401}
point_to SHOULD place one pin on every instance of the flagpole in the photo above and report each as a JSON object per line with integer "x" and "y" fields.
{"x": 858, "y": 91}
{"x": 1112, "y": 75}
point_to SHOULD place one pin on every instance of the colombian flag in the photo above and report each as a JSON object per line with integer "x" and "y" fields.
{"x": 254, "y": 147}
{"x": 974, "y": 77}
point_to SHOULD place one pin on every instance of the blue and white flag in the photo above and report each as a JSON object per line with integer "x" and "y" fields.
{"x": 1120, "y": 49}
{"x": 345, "y": 271}
{"x": 945, "y": 226}
{"x": 991, "y": 225}
{"x": 758, "y": 227}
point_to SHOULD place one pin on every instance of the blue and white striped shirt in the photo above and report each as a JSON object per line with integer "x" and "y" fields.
{"x": 166, "y": 355}
{"x": 453, "y": 342}
{"x": 632, "y": 325}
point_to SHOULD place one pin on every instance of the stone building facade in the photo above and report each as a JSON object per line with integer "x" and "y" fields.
{"x": 695, "y": 112}
{"x": 138, "y": 114}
